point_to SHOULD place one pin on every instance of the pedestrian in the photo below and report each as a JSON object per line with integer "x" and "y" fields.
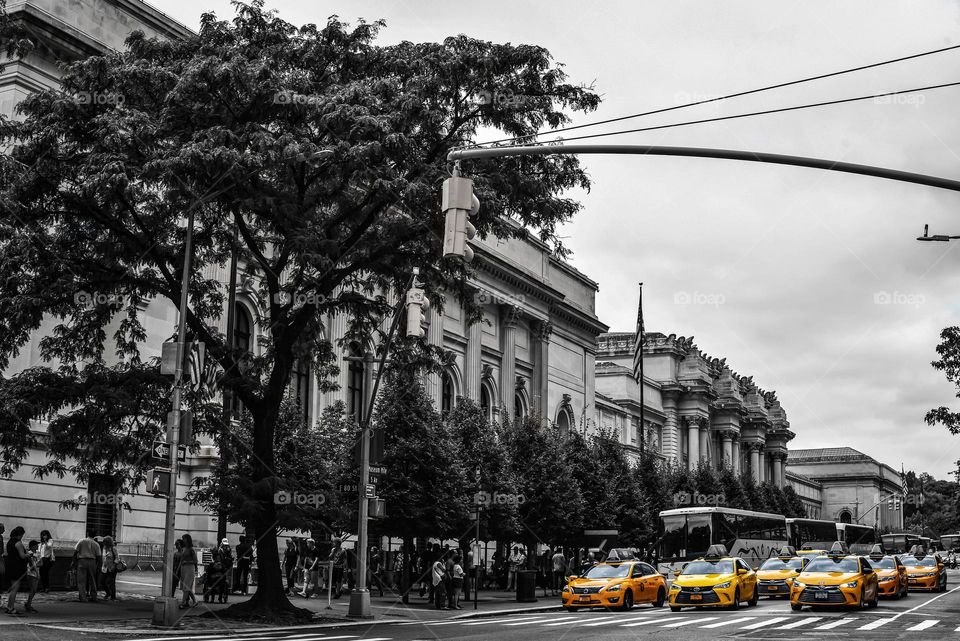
{"x": 244, "y": 561}
{"x": 559, "y": 563}
{"x": 95, "y": 587}
{"x": 588, "y": 563}
{"x": 215, "y": 581}
{"x": 398, "y": 565}
{"x": 226, "y": 558}
{"x": 291, "y": 557}
{"x": 33, "y": 574}
{"x": 311, "y": 574}
{"x": 188, "y": 571}
{"x": 17, "y": 564}
{"x": 458, "y": 576}
{"x": 470, "y": 583}
{"x": 108, "y": 568}
{"x": 515, "y": 562}
{"x": 436, "y": 580}
{"x": 46, "y": 558}
{"x": 3, "y": 557}
{"x": 177, "y": 558}
{"x": 375, "y": 569}
{"x": 544, "y": 570}
{"x": 338, "y": 560}
{"x": 448, "y": 577}
{"x": 85, "y": 556}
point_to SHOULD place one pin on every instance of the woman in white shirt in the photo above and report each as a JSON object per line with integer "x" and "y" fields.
{"x": 46, "y": 558}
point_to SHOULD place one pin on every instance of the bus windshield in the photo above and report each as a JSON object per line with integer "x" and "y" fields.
{"x": 708, "y": 567}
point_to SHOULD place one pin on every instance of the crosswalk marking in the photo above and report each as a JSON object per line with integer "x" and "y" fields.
{"x": 679, "y": 623}
{"x": 797, "y": 624}
{"x": 608, "y": 621}
{"x": 729, "y": 622}
{"x": 873, "y": 625}
{"x": 649, "y": 621}
{"x": 579, "y": 621}
{"x": 500, "y": 620}
{"x": 834, "y": 624}
{"x": 538, "y": 620}
{"x": 923, "y": 625}
{"x": 763, "y": 624}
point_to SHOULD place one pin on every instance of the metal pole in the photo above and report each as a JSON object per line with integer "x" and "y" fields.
{"x": 476, "y": 567}
{"x": 164, "y": 604}
{"x": 360, "y": 597}
{"x": 329, "y": 585}
{"x": 228, "y": 394}
{"x": 643, "y": 425}
{"x": 701, "y": 152}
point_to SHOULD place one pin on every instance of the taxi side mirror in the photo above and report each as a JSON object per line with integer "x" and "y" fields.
{"x": 572, "y": 577}
{"x": 741, "y": 571}
{"x": 676, "y": 572}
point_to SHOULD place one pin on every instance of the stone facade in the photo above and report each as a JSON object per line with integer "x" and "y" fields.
{"x": 855, "y": 487}
{"x": 696, "y": 408}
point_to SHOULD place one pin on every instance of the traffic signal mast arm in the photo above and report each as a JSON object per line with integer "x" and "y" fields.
{"x": 701, "y": 152}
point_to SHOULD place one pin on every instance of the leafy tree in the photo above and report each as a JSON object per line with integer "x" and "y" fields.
{"x": 754, "y": 494}
{"x": 793, "y": 504}
{"x": 312, "y": 152}
{"x": 733, "y": 491}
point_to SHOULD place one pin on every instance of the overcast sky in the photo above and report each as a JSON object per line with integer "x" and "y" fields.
{"x": 810, "y": 281}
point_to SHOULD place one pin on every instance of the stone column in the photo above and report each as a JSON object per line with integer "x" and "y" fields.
{"x": 472, "y": 365}
{"x": 755, "y": 461}
{"x": 735, "y": 456}
{"x": 540, "y": 401}
{"x": 704, "y": 443}
{"x": 670, "y": 441}
{"x": 778, "y": 476}
{"x": 337, "y": 325}
{"x": 693, "y": 442}
{"x": 432, "y": 380}
{"x": 509, "y": 315}
{"x": 726, "y": 438}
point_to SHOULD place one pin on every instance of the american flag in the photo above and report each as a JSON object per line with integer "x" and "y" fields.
{"x": 201, "y": 372}
{"x": 903, "y": 481}
{"x": 638, "y": 341}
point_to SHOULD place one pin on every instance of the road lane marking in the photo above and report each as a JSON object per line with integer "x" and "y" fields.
{"x": 797, "y": 624}
{"x": 538, "y": 620}
{"x": 679, "y": 623}
{"x": 835, "y": 624}
{"x": 579, "y": 621}
{"x": 648, "y": 622}
{"x": 923, "y": 625}
{"x": 609, "y": 621}
{"x": 213, "y": 636}
{"x": 763, "y": 624}
{"x": 487, "y": 621}
{"x": 873, "y": 625}
{"x": 729, "y": 622}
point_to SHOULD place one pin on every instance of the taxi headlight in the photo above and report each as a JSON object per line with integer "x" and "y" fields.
{"x": 566, "y": 588}
{"x": 797, "y": 584}
{"x": 721, "y": 586}
{"x": 613, "y": 588}
{"x": 674, "y": 587}
{"x": 851, "y": 584}
{"x": 925, "y": 575}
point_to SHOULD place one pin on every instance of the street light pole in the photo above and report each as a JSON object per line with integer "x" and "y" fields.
{"x": 165, "y": 607}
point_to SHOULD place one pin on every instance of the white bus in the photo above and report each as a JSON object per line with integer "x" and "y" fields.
{"x": 860, "y": 539}
{"x": 686, "y": 534}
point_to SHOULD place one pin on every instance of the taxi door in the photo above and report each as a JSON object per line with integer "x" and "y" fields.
{"x": 748, "y": 580}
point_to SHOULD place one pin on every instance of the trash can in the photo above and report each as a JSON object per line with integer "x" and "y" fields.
{"x": 526, "y": 586}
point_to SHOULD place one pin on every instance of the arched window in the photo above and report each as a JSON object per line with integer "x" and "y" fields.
{"x": 519, "y": 405}
{"x": 301, "y": 388}
{"x": 355, "y": 384}
{"x": 846, "y": 517}
{"x": 565, "y": 420}
{"x": 446, "y": 393}
{"x": 242, "y": 339}
{"x": 486, "y": 402}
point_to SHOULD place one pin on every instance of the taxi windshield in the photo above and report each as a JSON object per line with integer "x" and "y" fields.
{"x": 886, "y": 563}
{"x": 925, "y": 562}
{"x": 709, "y": 567}
{"x": 908, "y": 560}
{"x": 829, "y": 565}
{"x": 780, "y": 564}
{"x": 608, "y": 572}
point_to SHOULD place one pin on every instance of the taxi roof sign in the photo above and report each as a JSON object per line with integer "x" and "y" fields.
{"x": 787, "y": 552}
{"x": 876, "y": 552}
{"x": 716, "y": 551}
{"x": 839, "y": 548}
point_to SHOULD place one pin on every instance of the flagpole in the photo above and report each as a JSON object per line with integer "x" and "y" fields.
{"x": 643, "y": 424}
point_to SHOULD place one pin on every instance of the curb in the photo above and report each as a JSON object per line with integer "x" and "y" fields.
{"x": 159, "y": 632}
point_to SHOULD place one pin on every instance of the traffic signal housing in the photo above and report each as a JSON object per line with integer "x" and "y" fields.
{"x": 458, "y": 205}
{"x": 417, "y": 306}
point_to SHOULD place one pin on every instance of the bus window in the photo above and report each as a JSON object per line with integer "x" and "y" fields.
{"x": 698, "y": 533}
{"x": 725, "y": 529}
{"x": 674, "y": 536}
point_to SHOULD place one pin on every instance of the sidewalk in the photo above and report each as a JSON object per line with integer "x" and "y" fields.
{"x": 137, "y": 591}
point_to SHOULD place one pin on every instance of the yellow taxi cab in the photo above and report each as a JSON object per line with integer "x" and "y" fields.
{"x": 777, "y": 573}
{"x": 615, "y": 584}
{"x": 925, "y": 571}
{"x": 891, "y": 573}
{"x": 838, "y": 579}
{"x": 715, "y": 579}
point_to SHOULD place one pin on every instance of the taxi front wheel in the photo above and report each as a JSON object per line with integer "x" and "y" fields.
{"x": 661, "y": 597}
{"x": 796, "y": 607}
{"x": 755, "y": 598}
{"x": 674, "y": 608}
{"x": 736, "y": 600}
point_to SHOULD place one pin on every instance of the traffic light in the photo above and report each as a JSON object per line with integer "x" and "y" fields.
{"x": 459, "y": 204}
{"x": 159, "y": 481}
{"x": 417, "y": 306}
{"x": 890, "y": 504}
